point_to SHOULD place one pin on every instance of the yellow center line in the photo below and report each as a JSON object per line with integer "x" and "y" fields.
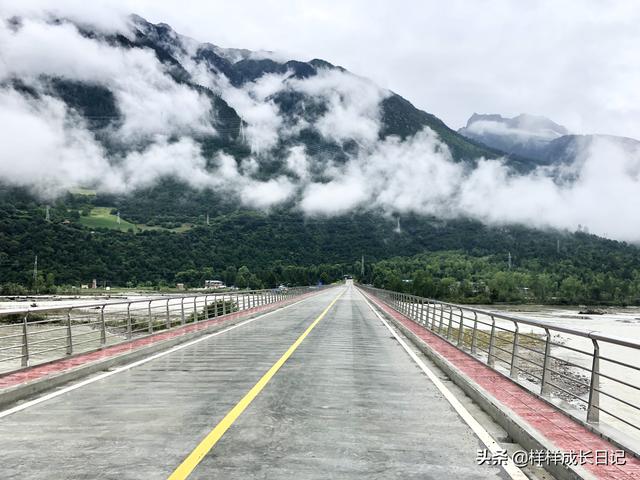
{"x": 208, "y": 442}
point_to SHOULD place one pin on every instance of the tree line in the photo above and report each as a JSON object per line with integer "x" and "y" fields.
{"x": 459, "y": 278}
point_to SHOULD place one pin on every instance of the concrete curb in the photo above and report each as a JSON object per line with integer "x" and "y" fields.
{"x": 516, "y": 428}
{"x": 12, "y": 395}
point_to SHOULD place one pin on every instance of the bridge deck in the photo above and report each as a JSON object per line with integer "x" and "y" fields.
{"x": 348, "y": 403}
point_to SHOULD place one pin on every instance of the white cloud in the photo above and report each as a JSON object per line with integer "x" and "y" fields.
{"x": 43, "y": 146}
{"x": 298, "y": 163}
{"x": 254, "y": 107}
{"x": 573, "y": 61}
{"x": 353, "y": 105}
{"x": 521, "y": 135}
{"x": 181, "y": 160}
{"x": 150, "y": 101}
{"x": 266, "y": 194}
{"x": 416, "y": 175}
{"x": 336, "y": 197}
{"x": 604, "y": 196}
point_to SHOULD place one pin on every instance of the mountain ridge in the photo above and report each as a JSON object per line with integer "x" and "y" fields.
{"x": 304, "y": 161}
{"x": 535, "y": 137}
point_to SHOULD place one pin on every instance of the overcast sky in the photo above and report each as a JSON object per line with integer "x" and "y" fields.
{"x": 576, "y": 61}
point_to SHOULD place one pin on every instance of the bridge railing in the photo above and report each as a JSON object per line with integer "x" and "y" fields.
{"x": 592, "y": 376}
{"x": 35, "y": 335}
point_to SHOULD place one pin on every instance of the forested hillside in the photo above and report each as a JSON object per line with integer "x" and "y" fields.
{"x": 156, "y": 159}
{"x": 461, "y": 260}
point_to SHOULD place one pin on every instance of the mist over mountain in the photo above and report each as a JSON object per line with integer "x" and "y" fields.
{"x": 537, "y": 138}
{"x": 138, "y": 112}
{"x": 525, "y": 135}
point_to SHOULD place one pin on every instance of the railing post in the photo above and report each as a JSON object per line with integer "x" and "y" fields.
{"x": 441, "y": 318}
{"x": 492, "y": 338}
{"x": 103, "y": 328}
{"x": 461, "y": 328}
{"x": 450, "y": 325}
{"x": 150, "y": 317}
{"x": 129, "y": 333}
{"x": 182, "y": 318}
{"x": 206, "y": 308}
{"x": 25, "y": 342}
{"x": 69, "y": 339}
{"x": 515, "y": 351}
{"x": 593, "y": 408}
{"x": 422, "y": 320}
{"x": 195, "y": 309}
{"x": 545, "y": 363}
{"x": 168, "y": 316}
{"x": 428, "y": 316}
{"x": 224, "y": 305}
{"x": 474, "y": 334}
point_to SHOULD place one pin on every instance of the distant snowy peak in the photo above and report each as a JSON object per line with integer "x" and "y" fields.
{"x": 535, "y": 137}
{"x": 524, "y": 135}
{"x": 524, "y": 125}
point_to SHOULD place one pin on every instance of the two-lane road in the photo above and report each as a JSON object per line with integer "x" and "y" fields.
{"x": 319, "y": 389}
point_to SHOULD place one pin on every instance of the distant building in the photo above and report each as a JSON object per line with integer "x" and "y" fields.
{"x": 94, "y": 284}
{"x": 84, "y": 285}
{"x": 215, "y": 284}
{"x": 180, "y": 286}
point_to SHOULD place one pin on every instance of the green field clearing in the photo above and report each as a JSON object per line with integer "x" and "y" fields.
{"x": 101, "y": 217}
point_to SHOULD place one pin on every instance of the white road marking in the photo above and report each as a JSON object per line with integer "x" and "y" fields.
{"x": 484, "y": 436}
{"x": 124, "y": 368}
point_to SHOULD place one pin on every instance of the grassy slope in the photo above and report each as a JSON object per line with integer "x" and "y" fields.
{"x": 101, "y": 217}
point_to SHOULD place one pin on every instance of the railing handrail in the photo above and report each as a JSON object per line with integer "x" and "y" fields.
{"x": 25, "y": 310}
{"x": 555, "y": 377}
{"x": 591, "y": 334}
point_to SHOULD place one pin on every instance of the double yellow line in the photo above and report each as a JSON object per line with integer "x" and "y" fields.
{"x": 208, "y": 442}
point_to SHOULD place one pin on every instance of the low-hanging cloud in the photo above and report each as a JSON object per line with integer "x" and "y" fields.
{"x": 146, "y": 95}
{"x": 420, "y": 176}
{"x": 417, "y": 174}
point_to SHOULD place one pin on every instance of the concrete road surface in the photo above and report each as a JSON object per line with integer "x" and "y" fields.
{"x": 349, "y": 402}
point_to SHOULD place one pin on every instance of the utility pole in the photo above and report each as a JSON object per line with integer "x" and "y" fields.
{"x": 362, "y": 269}
{"x": 558, "y": 246}
{"x": 35, "y": 275}
{"x": 509, "y": 260}
{"x": 47, "y": 216}
{"x": 207, "y": 218}
{"x": 118, "y": 217}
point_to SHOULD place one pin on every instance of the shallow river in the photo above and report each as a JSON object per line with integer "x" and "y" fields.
{"x": 619, "y": 322}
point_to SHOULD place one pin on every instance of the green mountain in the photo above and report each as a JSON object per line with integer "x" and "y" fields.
{"x": 157, "y": 159}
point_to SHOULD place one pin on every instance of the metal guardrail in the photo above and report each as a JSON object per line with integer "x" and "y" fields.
{"x": 30, "y": 336}
{"x": 593, "y": 376}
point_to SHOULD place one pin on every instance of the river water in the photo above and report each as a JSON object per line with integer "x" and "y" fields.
{"x": 619, "y": 322}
